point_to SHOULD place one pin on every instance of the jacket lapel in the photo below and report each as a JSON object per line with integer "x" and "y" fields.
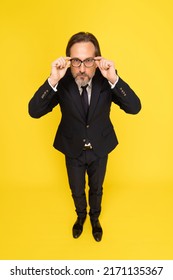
{"x": 75, "y": 95}
{"x": 71, "y": 87}
{"x": 96, "y": 88}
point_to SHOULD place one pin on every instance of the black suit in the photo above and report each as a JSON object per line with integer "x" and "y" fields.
{"x": 74, "y": 128}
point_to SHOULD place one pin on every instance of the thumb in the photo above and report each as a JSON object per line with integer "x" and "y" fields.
{"x": 68, "y": 62}
{"x": 97, "y": 60}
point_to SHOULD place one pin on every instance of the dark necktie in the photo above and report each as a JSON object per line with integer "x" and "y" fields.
{"x": 84, "y": 97}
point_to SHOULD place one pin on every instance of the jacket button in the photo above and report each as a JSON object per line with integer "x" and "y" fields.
{"x": 87, "y": 126}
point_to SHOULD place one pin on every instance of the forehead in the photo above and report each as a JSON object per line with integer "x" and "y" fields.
{"x": 82, "y": 50}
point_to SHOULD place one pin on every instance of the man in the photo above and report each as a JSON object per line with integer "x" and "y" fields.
{"x": 84, "y": 84}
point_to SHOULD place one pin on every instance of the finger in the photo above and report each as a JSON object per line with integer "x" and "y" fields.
{"x": 106, "y": 65}
{"x": 67, "y": 58}
{"x": 65, "y": 61}
{"x": 57, "y": 63}
{"x": 98, "y": 58}
{"x": 102, "y": 63}
{"x": 61, "y": 62}
{"x": 68, "y": 62}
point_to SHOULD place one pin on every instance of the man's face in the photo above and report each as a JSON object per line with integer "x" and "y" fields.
{"x": 82, "y": 51}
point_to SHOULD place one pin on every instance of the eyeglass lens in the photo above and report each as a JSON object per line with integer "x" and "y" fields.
{"x": 88, "y": 62}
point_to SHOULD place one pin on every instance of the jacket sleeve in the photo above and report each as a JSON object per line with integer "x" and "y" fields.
{"x": 126, "y": 98}
{"x": 43, "y": 101}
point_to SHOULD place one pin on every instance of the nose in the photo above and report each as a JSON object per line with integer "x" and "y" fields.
{"x": 82, "y": 67}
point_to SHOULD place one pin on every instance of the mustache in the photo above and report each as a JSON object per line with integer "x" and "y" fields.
{"x": 82, "y": 74}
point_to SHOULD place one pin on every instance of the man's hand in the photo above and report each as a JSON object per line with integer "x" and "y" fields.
{"x": 59, "y": 68}
{"x": 107, "y": 68}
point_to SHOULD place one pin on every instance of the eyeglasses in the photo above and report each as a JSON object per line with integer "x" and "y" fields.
{"x": 88, "y": 62}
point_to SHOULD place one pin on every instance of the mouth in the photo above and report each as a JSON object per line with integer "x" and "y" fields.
{"x": 82, "y": 75}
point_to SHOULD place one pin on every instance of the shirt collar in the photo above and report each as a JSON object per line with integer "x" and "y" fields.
{"x": 89, "y": 83}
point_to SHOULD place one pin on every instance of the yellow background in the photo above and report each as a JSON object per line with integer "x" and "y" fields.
{"x": 36, "y": 207}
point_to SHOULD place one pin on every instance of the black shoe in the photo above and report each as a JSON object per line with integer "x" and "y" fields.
{"x": 78, "y": 227}
{"x": 97, "y": 230}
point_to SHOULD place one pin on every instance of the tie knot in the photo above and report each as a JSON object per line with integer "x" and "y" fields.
{"x": 84, "y": 87}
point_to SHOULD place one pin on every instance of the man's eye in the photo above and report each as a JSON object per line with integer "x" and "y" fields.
{"x": 76, "y": 60}
{"x": 88, "y": 59}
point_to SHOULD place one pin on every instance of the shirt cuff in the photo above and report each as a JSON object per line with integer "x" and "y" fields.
{"x": 53, "y": 87}
{"x": 113, "y": 85}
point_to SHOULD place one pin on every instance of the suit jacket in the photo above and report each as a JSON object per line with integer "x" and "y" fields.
{"x": 74, "y": 128}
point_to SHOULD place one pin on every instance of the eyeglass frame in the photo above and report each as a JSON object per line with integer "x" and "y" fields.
{"x": 83, "y": 61}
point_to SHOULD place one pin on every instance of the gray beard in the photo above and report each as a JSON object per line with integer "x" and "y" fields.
{"x": 82, "y": 79}
{"x": 81, "y": 83}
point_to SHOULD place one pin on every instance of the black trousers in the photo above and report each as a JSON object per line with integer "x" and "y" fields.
{"x": 95, "y": 167}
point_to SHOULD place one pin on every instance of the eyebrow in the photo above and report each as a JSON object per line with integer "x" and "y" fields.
{"x": 82, "y": 60}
